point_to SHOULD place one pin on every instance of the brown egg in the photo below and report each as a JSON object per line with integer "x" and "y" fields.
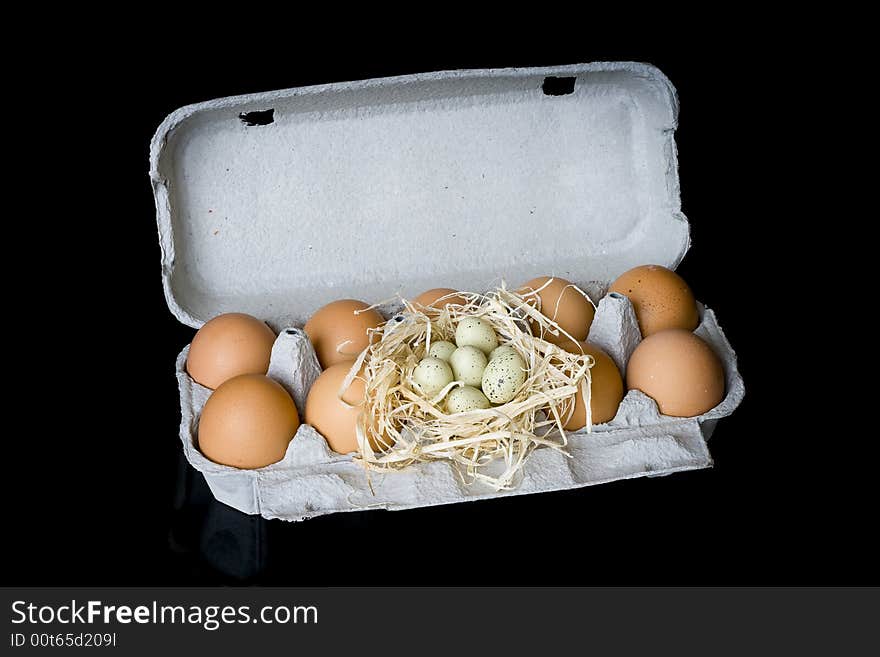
{"x": 429, "y": 297}
{"x": 606, "y": 389}
{"x": 329, "y": 416}
{"x": 227, "y": 346}
{"x": 679, "y": 371}
{"x": 660, "y": 298}
{"x": 338, "y": 334}
{"x": 247, "y": 422}
{"x": 564, "y": 305}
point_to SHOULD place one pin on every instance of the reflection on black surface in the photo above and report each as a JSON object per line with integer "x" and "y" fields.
{"x": 218, "y": 541}
{"x": 233, "y": 543}
{"x": 216, "y": 544}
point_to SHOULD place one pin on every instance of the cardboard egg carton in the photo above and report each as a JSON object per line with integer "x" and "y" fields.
{"x": 277, "y": 203}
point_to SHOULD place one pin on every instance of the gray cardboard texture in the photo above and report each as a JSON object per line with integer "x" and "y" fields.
{"x": 455, "y": 179}
{"x": 372, "y": 188}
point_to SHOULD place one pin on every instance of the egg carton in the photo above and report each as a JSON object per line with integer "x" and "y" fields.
{"x": 311, "y": 480}
{"x": 277, "y": 203}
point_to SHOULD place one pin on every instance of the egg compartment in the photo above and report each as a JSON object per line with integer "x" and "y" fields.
{"x": 276, "y": 203}
{"x": 312, "y": 480}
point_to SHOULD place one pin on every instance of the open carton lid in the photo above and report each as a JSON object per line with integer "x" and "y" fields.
{"x": 276, "y": 203}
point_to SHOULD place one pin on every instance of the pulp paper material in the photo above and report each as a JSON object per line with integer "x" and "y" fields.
{"x": 371, "y": 188}
{"x": 615, "y": 329}
{"x": 294, "y": 364}
{"x": 312, "y": 480}
{"x": 711, "y": 332}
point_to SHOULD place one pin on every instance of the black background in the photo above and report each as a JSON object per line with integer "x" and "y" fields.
{"x": 102, "y": 498}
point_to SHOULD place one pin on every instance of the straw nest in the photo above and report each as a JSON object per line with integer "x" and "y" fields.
{"x": 488, "y": 445}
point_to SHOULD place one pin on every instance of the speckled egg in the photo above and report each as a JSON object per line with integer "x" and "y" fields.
{"x": 468, "y": 364}
{"x": 660, "y": 298}
{"x": 502, "y": 350}
{"x": 476, "y": 332}
{"x": 431, "y": 375}
{"x": 442, "y": 350}
{"x": 502, "y": 378}
{"x": 466, "y": 398}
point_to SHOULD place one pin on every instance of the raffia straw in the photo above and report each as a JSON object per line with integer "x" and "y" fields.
{"x": 412, "y": 429}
